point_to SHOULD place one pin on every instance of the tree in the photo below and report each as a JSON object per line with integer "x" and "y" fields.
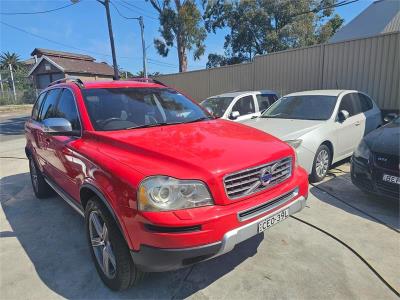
{"x": 180, "y": 25}
{"x": 8, "y": 58}
{"x": 264, "y": 26}
{"x": 140, "y": 74}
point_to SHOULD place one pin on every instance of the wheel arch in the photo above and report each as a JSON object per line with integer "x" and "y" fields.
{"x": 88, "y": 191}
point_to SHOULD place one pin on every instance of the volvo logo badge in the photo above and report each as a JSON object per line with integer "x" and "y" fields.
{"x": 266, "y": 174}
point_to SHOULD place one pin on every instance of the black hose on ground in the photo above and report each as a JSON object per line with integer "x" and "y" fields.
{"x": 353, "y": 251}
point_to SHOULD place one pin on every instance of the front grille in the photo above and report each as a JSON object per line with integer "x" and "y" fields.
{"x": 247, "y": 182}
{"x": 386, "y": 161}
{"x": 262, "y": 208}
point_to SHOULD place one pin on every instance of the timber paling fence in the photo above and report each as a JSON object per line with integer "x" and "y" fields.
{"x": 369, "y": 64}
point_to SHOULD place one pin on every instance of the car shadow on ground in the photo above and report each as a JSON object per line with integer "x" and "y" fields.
{"x": 338, "y": 190}
{"x": 52, "y": 235}
{"x": 13, "y": 126}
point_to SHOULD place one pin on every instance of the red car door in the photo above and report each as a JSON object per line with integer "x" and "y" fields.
{"x": 43, "y": 151}
{"x": 65, "y": 165}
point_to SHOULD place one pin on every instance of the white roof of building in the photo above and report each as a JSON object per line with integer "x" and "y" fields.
{"x": 382, "y": 16}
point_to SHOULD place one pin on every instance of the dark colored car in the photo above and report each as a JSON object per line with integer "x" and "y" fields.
{"x": 375, "y": 165}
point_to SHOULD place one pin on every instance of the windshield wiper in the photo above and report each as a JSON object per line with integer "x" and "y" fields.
{"x": 198, "y": 120}
{"x": 165, "y": 123}
{"x": 147, "y": 125}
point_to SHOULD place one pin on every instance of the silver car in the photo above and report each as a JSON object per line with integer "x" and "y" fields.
{"x": 240, "y": 106}
{"x": 324, "y": 126}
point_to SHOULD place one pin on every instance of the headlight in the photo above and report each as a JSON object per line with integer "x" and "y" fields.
{"x": 162, "y": 193}
{"x": 294, "y": 143}
{"x": 362, "y": 150}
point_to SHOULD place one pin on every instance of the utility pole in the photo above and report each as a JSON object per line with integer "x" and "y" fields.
{"x": 1, "y": 83}
{"x": 106, "y": 4}
{"x": 13, "y": 84}
{"x": 143, "y": 47}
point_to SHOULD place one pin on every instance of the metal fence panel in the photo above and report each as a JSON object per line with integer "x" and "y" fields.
{"x": 289, "y": 71}
{"x": 368, "y": 64}
{"x": 231, "y": 78}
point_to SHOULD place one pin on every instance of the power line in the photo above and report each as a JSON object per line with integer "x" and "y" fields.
{"x": 153, "y": 61}
{"x": 135, "y": 11}
{"x": 37, "y": 12}
{"x": 121, "y": 15}
{"x": 315, "y": 10}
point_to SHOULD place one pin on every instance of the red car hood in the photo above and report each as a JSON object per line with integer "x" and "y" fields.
{"x": 195, "y": 150}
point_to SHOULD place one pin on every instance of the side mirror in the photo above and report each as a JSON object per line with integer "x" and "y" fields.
{"x": 58, "y": 126}
{"x": 234, "y": 115}
{"x": 343, "y": 115}
{"x": 390, "y": 117}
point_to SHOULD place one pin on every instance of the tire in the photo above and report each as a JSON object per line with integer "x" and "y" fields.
{"x": 117, "y": 271}
{"x": 321, "y": 164}
{"x": 39, "y": 185}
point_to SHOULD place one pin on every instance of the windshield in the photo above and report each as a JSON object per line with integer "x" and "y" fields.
{"x": 217, "y": 105}
{"x": 305, "y": 107}
{"x": 129, "y": 108}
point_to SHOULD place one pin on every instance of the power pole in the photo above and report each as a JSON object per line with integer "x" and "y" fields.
{"x": 106, "y": 4}
{"x": 13, "y": 84}
{"x": 143, "y": 47}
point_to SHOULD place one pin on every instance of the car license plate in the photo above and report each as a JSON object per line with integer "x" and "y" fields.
{"x": 271, "y": 221}
{"x": 391, "y": 179}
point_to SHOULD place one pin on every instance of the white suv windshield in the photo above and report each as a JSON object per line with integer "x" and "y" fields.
{"x": 130, "y": 108}
{"x": 305, "y": 107}
{"x": 217, "y": 105}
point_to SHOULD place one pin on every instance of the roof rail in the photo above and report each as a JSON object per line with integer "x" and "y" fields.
{"x": 143, "y": 79}
{"x": 75, "y": 80}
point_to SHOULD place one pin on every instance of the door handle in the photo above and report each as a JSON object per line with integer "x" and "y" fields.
{"x": 357, "y": 123}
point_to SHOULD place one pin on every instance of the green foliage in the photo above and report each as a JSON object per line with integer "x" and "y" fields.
{"x": 265, "y": 26}
{"x": 180, "y": 27}
{"x": 25, "y": 90}
{"x": 7, "y": 58}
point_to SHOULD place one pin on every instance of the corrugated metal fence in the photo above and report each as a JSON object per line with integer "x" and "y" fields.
{"x": 369, "y": 64}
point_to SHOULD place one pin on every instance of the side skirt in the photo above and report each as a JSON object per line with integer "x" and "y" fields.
{"x": 77, "y": 207}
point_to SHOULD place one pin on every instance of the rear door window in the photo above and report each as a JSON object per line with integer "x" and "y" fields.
{"x": 365, "y": 102}
{"x": 36, "y": 107}
{"x": 66, "y": 109}
{"x": 265, "y": 100}
{"x": 347, "y": 104}
{"x": 48, "y": 109}
{"x": 245, "y": 106}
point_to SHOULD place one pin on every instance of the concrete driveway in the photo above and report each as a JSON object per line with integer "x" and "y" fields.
{"x": 43, "y": 251}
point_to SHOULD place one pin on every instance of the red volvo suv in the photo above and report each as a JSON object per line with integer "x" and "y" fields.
{"x": 160, "y": 182}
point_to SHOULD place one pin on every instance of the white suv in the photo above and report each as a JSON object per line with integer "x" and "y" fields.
{"x": 240, "y": 106}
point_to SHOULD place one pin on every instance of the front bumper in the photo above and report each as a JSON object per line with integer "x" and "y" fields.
{"x": 152, "y": 259}
{"x": 366, "y": 176}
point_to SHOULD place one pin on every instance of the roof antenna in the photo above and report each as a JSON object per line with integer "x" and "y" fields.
{"x": 337, "y": 84}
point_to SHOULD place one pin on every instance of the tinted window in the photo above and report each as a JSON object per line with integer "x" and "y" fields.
{"x": 49, "y": 107}
{"x": 244, "y": 106}
{"x": 304, "y": 107}
{"x": 67, "y": 109}
{"x": 365, "y": 102}
{"x": 129, "y": 108}
{"x": 265, "y": 101}
{"x": 217, "y": 106}
{"x": 348, "y": 105}
{"x": 36, "y": 107}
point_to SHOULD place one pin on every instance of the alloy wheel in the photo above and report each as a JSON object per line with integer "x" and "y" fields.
{"x": 322, "y": 163}
{"x": 101, "y": 245}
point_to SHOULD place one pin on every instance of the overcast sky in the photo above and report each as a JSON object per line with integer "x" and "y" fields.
{"x": 82, "y": 28}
